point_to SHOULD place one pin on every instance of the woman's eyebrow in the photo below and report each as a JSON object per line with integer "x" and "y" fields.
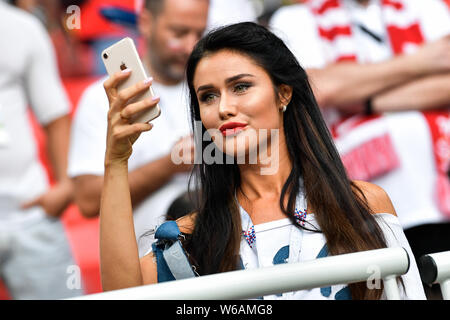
{"x": 237, "y": 77}
{"x": 228, "y": 80}
{"x": 205, "y": 87}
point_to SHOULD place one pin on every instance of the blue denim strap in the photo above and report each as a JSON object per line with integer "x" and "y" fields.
{"x": 168, "y": 231}
{"x": 163, "y": 271}
{"x": 171, "y": 259}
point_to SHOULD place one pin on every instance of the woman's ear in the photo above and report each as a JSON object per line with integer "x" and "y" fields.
{"x": 284, "y": 94}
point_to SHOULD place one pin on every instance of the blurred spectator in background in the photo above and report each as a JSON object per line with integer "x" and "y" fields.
{"x": 171, "y": 28}
{"x": 27, "y": 5}
{"x": 367, "y": 61}
{"x": 104, "y": 22}
{"x": 31, "y": 6}
{"x": 34, "y": 251}
{"x": 76, "y": 57}
{"x": 107, "y": 21}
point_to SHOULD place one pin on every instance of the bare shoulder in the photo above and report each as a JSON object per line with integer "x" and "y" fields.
{"x": 149, "y": 269}
{"x": 377, "y": 198}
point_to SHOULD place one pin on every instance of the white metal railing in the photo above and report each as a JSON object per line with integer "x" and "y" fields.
{"x": 389, "y": 263}
{"x": 435, "y": 268}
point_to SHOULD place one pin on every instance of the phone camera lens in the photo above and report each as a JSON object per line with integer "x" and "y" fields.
{"x": 105, "y": 55}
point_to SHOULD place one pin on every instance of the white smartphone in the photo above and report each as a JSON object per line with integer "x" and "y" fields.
{"x": 120, "y": 56}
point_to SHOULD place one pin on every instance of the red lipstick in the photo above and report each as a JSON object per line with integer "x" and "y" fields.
{"x": 231, "y": 128}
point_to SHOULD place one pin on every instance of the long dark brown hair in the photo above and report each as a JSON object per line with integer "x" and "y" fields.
{"x": 340, "y": 207}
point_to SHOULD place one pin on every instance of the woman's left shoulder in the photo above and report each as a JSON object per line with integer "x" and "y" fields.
{"x": 377, "y": 198}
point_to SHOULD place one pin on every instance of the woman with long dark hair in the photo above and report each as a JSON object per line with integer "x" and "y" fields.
{"x": 272, "y": 187}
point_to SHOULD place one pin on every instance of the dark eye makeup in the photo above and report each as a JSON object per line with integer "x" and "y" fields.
{"x": 238, "y": 88}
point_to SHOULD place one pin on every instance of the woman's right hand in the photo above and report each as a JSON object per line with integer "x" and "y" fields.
{"x": 121, "y": 132}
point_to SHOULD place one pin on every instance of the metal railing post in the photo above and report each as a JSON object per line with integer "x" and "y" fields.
{"x": 435, "y": 268}
{"x": 391, "y": 288}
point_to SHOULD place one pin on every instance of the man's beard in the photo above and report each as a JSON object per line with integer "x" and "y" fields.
{"x": 167, "y": 68}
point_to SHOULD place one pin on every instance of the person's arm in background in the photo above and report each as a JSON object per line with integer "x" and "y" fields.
{"x": 432, "y": 92}
{"x": 49, "y": 103}
{"x": 87, "y": 152}
{"x": 60, "y": 195}
{"x": 143, "y": 182}
{"x": 347, "y": 86}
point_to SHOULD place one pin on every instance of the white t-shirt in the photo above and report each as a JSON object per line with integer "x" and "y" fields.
{"x": 411, "y": 187}
{"x": 224, "y": 12}
{"x": 88, "y": 144}
{"x": 28, "y": 77}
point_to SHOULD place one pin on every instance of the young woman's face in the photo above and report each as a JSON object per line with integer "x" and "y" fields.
{"x": 237, "y": 100}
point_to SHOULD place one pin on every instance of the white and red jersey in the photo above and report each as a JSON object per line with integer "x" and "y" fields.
{"x": 406, "y": 153}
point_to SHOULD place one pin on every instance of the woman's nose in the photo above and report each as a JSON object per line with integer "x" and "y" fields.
{"x": 227, "y": 107}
